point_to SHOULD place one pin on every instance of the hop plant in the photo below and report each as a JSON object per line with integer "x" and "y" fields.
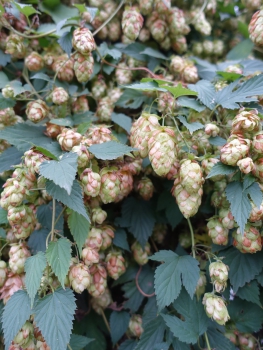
{"x": 59, "y": 96}
{"x": 23, "y": 337}
{"x": 18, "y": 254}
{"x": 132, "y": 22}
{"x": 110, "y": 185}
{"x": 15, "y": 46}
{"x": 79, "y": 277}
{"x": 140, "y": 254}
{"x": 22, "y": 219}
{"x": 146, "y": 7}
{"x": 98, "y": 215}
{"x": 246, "y": 165}
{"x": 107, "y": 236}
{"x": 135, "y": 325}
{"x": 246, "y": 121}
{"x": 94, "y": 239}
{"x": 226, "y": 218}
{"x": 83, "y": 155}
{"x": 37, "y": 111}
{"x": 115, "y": 264}
{"x": 99, "y": 280}
{"x": 34, "y": 62}
{"x": 12, "y": 284}
{"x": 83, "y": 41}
{"x": 201, "y": 284}
{"x": 83, "y": 66}
{"x": 80, "y": 104}
{"x": 246, "y": 341}
{"x": 235, "y": 150}
{"x": 99, "y": 134}
{"x": 215, "y": 308}
{"x": 68, "y": 139}
{"x": 63, "y": 66}
{"x": 33, "y": 159}
{"x": 177, "y": 64}
{"x": 99, "y": 88}
{"x": 90, "y": 256}
{"x": 191, "y": 176}
{"x": 101, "y": 302}
{"x": 145, "y": 188}
{"x": 249, "y": 242}
{"x": 91, "y": 182}
{"x": 255, "y": 28}
{"x": 217, "y": 231}
{"x": 3, "y": 272}
{"x": 104, "y": 109}
{"x": 123, "y": 74}
{"x": 219, "y": 275}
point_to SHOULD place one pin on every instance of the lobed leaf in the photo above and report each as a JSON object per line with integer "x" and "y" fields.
{"x": 221, "y": 169}
{"x": 79, "y": 228}
{"x": 10, "y": 157}
{"x": 191, "y": 127}
{"x": 119, "y": 322}
{"x": 110, "y": 150}
{"x": 152, "y": 334}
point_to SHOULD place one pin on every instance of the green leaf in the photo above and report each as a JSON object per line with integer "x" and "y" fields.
{"x": 74, "y": 201}
{"x": 221, "y": 169}
{"x": 2, "y": 233}
{"x": 241, "y": 50}
{"x": 65, "y": 42}
{"x": 11, "y": 156}
{"x": 92, "y": 10}
{"x": 195, "y": 323}
{"x": 26, "y": 9}
{"x": 138, "y": 217}
{"x": 248, "y": 180}
{"x": 131, "y": 99}
{"x": 44, "y": 216}
{"x": 3, "y": 216}
{"x": 153, "y": 53}
{"x": 41, "y": 76}
{"x": 34, "y": 268}
{"x": 78, "y": 342}
{"x": 147, "y": 86}
{"x": 128, "y": 345}
{"x": 61, "y": 172}
{"x": 105, "y": 50}
{"x": 120, "y": 239}
{"x": 16, "y": 312}
{"x": 239, "y": 203}
{"x": 255, "y": 193}
{"x": 59, "y": 12}
{"x": 58, "y": 255}
{"x": 229, "y": 76}
{"x": 4, "y": 59}
{"x": 243, "y": 29}
{"x": 67, "y": 121}
{"x": 260, "y": 278}
{"x": 3, "y": 80}
{"x": 79, "y": 228}
{"x": 18, "y": 88}
{"x": 179, "y": 345}
{"x": 122, "y": 120}
{"x": 191, "y": 127}
{"x": 250, "y": 292}
{"x": 37, "y": 240}
{"x": 217, "y": 141}
{"x": 229, "y": 97}
{"x": 242, "y": 267}
{"x": 150, "y": 311}
{"x": 190, "y": 103}
{"x": 119, "y": 322}
{"x": 172, "y": 212}
{"x": 206, "y": 92}
{"x": 110, "y": 150}
{"x": 6, "y": 103}
{"x": 179, "y": 90}
{"x": 93, "y": 330}
{"x": 247, "y": 317}
{"x": 161, "y": 346}
{"x": 169, "y": 276}
{"x": 218, "y": 341}
{"x": 152, "y": 334}
{"x": 54, "y": 316}
{"x": 82, "y": 128}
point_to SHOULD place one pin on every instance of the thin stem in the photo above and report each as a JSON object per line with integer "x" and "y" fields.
{"x": 211, "y": 114}
{"x": 154, "y": 245}
{"x": 139, "y": 288}
{"x": 55, "y": 76}
{"x": 207, "y": 342}
{"x": 53, "y": 219}
{"x": 187, "y": 145}
{"x": 32, "y": 36}
{"x": 3, "y": 248}
{"x": 192, "y": 237}
{"x": 25, "y": 76}
{"x": 109, "y": 19}
{"x": 106, "y": 321}
{"x": 70, "y": 348}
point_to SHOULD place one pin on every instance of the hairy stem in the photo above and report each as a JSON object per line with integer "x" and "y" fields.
{"x": 207, "y": 342}
{"x": 192, "y": 237}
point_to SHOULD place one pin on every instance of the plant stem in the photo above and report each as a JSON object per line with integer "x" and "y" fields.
{"x": 25, "y": 76}
{"x": 106, "y": 321}
{"x": 53, "y": 219}
{"x": 207, "y": 342}
{"x": 192, "y": 237}
{"x": 109, "y": 19}
{"x": 70, "y": 348}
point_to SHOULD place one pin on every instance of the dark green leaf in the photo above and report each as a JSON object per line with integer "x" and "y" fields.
{"x": 128, "y": 345}
{"x": 167, "y": 202}
{"x": 37, "y": 240}
{"x": 153, "y": 333}
{"x": 161, "y": 346}
{"x": 191, "y": 127}
{"x": 122, "y": 120}
{"x": 67, "y": 121}
{"x": 11, "y": 156}
{"x": 61, "y": 172}
{"x": 44, "y": 216}
{"x": 92, "y": 330}
{"x": 242, "y": 267}
{"x": 132, "y": 99}
{"x": 150, "y": 311}
{"x": 65, "y": 42}
{"x": 18, "y": 88}
{"x": 179, "y": 90}
{"x": 206, "y": 92}
{"x": 119, "y": 322}
{"x": 153, "y": 53}
{"x": 2, "y": 233}
{"x": 78, "y": 342}
{"x": 217, "y": 141}
{"x": 6, "y": 102}
{"x": 247, "y": 317}
{"x": 169, "y": 276}
{"x": 221, "y": 169}
{"x": 138, "y": 217}
{"x": 249, "y": 179}
{"x": 250, "y": 292}
{"x": 110, "y": 150}
{"x": 178, "y": 345}
{"x": 120, "y": 239}
{"x": 79, "y": 228}
{"x": 243, "y": 29}
{"x": 3, "y": 216}
{"x": 255, "y": 193}
{"x": 190, "y": 103}
{"x": 74, "y": 201}
{"x": 82, "y": 128}
{"x": 58, "y": 12}
{"x": 147, "y": 86}
{"x": 260, "y": 278}
{"x": 26, "y": 9}
{"x": 241, "y": 50}
{"x": 54, "y": 317}
{"x": 41, "y": 76}
{"x": 229, "y": 76}
{"x": 4, "y": 59}
{"x": 16, "y": 312}
{"x": 58, "y": 255}
{"x": 105, "y": 50}
{"x": 34, "y": 267}
{"x": 218, "y": 341}
{"x": 3, "y": 80}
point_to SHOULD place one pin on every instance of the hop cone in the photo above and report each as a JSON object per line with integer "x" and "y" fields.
{"x": 79, "y": 277}
{"x": 257, "y": 143}
{"x": 59, "y": 96}
{"x": 99, "y": 134}
{"x": 191, "y": 176}
{"x": 12, "y": 284}
{"x": 99, "y": 280}
{"x": 90, "y": 256}
{"x": 219, "y": 275}
{"x": 91, "y": 182}
{"x": 217, "y": 231}
{"x": 3, "y": 272}
{"x": 201, "y": 284}
{"x": 110, "y": 185}
{"x": 94, "y": 239}
{"x": 145, "y": 188}
{"x": 226, "y": 218}
{"x": 36, "y": 111}
{"x": 256, "y": 213}
{"x": 255, "y": 28}
{"x": 15, "y": 46}
{"x": 34, "y": 62}
{"x": 68, "y": 139}
{"x": 162, "y": 149}
{"x": 98, "y": 215}
{"x": 18, "y": 254}
{"x": 132, "y": 22}
{"x": 83, "y": 155}
{"x": 235, "y": 150}
{"x": 83, "y": 41}
{"x": 135, "y": 325}
{"x": 23, "y": 337}
{"x": 101, "y": 302}
{"x": 215, "y": 308}
{"x": 107, "y": 236}
{"x": 249, "y": 242}
{"x": 141, "y": 255}
{"x": 83, "y": 67}
{"x": 115, "y": 264}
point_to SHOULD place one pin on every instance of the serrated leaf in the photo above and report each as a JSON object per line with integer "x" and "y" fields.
{"x": 26, "y": 9}
{"x": 3, "y": 79}
{"x": 229, "y": 97}
{"x": 119, "y": 322}
{"x": 2, "y": 233}
{"x": 250, "y": 292}
{"x": 206, "y": 92}
{"x": 18, "y": 88}
{"x": 138, "y": 217}
{"x": 110, "y": 150}
{"x": 172, "y": 212}
{"x": 93, "y": 330}
{"x": 179, "y": 90}
{"x": 178, "y": 345}
{"x": 59, "y": 12}
{"x": 191, "y": 127}
{"x": 44, "y": 216}
{"x": 41, "y": 76}
{"x": 190, "y": 103}
{"x": 150, "y": 311}
{"x": 79, "y": 228}
{"x": 242, "y": 267}
{"x": 217, "y": 141}
{"x": 152, "y": 334}
{"x": 78, "y": 342}
{"x": 153, "y": 53}
{"x": 120, "y": 239}
{"x": 195, "y": 323}
{"x": 92, "y": 10}
{"x": 122, "y": 120}
{"x": 16, "y": 312}
{"x": 105, "y": 50}
{"x": 172, "y": 274}
{"x": 161, "y": 346}
{"x": 147, "y": 86}
{"x": 247, "y": 317}
{"x": 11, "y": 156}
{"x": 241, "y": 50}
{"x": 58, "y": 255}
{"x": 4, "y": 59}
{"x": 239, "y": 203}
{"x": 34, "y": 267}
{"x": 74, "y": 201}
{"x": 255, "y": 193}
{"x": 132, "y": 99}
{"x": 37, "y": 241}
{"x": 82, "y": 128}
{"x": 65, "y": 42}
{"x": 61, "y": 172}
{"x": 6, "y": 102}
{"x": 229, "y": 76}
{"x": 67, "y": 121}
{"x": 248, "y": 180}
{"x": 260, "y": 278}
{"x": 221, "y": 169}
{"x": 54, "y": 316}
{"x": 128, "y": 345}
{"x": 218, "y": 341}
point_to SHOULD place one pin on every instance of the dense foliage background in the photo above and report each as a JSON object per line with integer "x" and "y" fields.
{"x": 131, "y": 170}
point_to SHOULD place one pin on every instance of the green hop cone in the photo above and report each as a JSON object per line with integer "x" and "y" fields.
{"x": 191, "y": 176}
{"x": 15, "y": 46}
{"x": 101, "y": 302}
{"x": 83, "y": 67}
{"x": 201, "y": 284}
{"x": 247, "y": 341}
{"x": 246, "y": 122}
{"x": 226, "y": 218}
{"x": 3, "y": 272}
{"x": 162, "y": 150}
{"x": 135, "y": 325}
{"x": 98, "y": 215}
{"x": 99, "y": 280}
{"x": 249, "y": 242}
{"x": 217, "y": 231}
{"x": 132, "y": 22}
{"x": 219, "y": 275}
{"x": 91, "y": 182}
{"x": 145, "y": 188}
{"x": 18, "y": 254}
{"x": 215, "y": 308}
{"x": 83, "y": 41}
{"x": 110, "y": 185}
{"x": 115, "y": 264}
{"x": 255, "y": 28}
{"x": 79, "y": 277}
{"x": 37, "y": 111}
{"x": 140, "y": 254}
{"x": 25, "y": 334}
{"x": 107, "y": 236}
{"x": 236, "y": 148}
